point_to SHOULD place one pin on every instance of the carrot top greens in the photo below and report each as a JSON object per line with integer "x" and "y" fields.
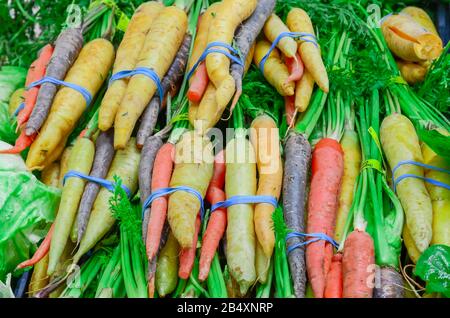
{"x": 131, "y": 244}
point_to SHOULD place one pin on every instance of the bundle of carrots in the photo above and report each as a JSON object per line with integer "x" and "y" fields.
{"x": 414, "y": 40}
{"x": 295, "y": 64}
{"x": 334, "y": 191}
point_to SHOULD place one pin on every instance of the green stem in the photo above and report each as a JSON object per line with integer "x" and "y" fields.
{"x": 138, "y": 270}
{"x": 25, "y": 13}
{"x": 215, "y": 282}
{"x": 238, "y": 117}
{"x": 130, "y": 284}
{"x": 263, "y": 290}
{"x": 180, "y": 288}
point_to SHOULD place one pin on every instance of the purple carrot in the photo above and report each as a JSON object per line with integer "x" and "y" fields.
{"x": 245, "y": 37}
{"x": 298, "y": 157}
{"x": 104, "y": 153}
{"x": 67, "y": 46}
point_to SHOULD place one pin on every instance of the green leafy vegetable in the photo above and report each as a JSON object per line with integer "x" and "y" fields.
{"x": 433, "y": 267}
{"x": 132, "y": 248}
{"x": 27, "y": 207}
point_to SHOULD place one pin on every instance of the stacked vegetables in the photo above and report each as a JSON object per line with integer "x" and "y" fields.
{"x": 412, "y": 37}
{"x": 312, "y": 194}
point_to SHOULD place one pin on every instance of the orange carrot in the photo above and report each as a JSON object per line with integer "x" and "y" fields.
{"x": 295, "y": 67}
{"x": 162, "y": 172}
{"x": 327, "y": 170}
{"x": 35, "y": 73}
{"x": 333, "y": 288}
{"x": 359, "y": 255}
{"x": 198, "y": 85}
{"x": 22, "y": 142}
{"x": 40, "y": 252}
{"x": 289, "y": 105}
{"x": 187, "y": 255}
{"x": 218, "y": 219}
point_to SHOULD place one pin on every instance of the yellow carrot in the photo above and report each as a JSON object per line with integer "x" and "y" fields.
{"x": 39, "y": 278}
{"x": 240, "y": 179}
{"x": 408, "y": 40}
{"x": 228, "y": 17}
{"x": 193, "y": 168}
{"x": 265, "y": 140}
{"x": 161, "y": 45}
{"x": 126, "y": 166}
{"x": 208, "y": 112}
{"x": 89, "y": 71}
{"x": 192, "y": 112}
{"x": 50, "y": 175}
{"x": 411, "y": 247}
{"x": 62, "y": 268}
{"x": 167, "y": 267}
{"x": 400, "y": 142}
{"x": 200, "y": 43}
{"x": 299, "y": 21}
{"x": 352, "y": 165}
{"x": 411, "y": 72}
{"x": 262, "y": 264}
{"x": 55, "y": 155}
{"x": 303, "y": 91}
{"x": 80, "y": 160}
{"x": 420, "y": 16}
{"x": 201, "y": 37}
{"x": 440, "y": 197}
{"x": 64, "y": 164}
{"x": 126, "y": 59}
{"x": 274, "y": 27}
{"x": 275, "y": 71}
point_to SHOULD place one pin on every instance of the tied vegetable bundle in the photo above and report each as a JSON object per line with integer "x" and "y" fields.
{"x": 183, "y": 149}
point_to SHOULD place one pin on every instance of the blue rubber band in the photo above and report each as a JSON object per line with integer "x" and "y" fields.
{"x": 166, "y": 191}
{"x": 47, "y": 79}
{"x": 305, "y": 37}
{"x": 18, "y": 109}
{"x": 245, "y": 199}
{"x": 420, "y": 164}
{"x": 103, "y": 182}
{"x": 316, "y": 237}
{"x": 234, "y": 56}
{"x": 141, "y": 71}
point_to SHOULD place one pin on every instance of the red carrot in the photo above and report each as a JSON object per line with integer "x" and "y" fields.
{"x": 333, "y": 288}
{"x": 198, "y": 85}
{"x": 289, "y": 104}
{"x": 295, "y": 67}
{"x": 162, "y": 172}
{"x": 218, "y": 220}
{"x": 40, "y": 252}
{"x": 35, "y": 73}
{"x": 187, "y": 255}
{"x": 22, "y": 142}
{"x": 327, "y": 170}
{"x": 359, "y": 256}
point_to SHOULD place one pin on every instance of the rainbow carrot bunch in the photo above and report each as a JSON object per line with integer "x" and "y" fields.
{"x": 334, "y": 191}
{"x": 295, "y": 64}
{"x": 212, "y": 86}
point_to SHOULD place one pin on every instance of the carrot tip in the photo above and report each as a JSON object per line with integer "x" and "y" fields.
{"x": 194, "y": 96}
{"x": 203, "y": 273}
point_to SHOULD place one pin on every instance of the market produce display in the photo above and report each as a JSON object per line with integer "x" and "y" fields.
{"x": 225, "y": 149}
